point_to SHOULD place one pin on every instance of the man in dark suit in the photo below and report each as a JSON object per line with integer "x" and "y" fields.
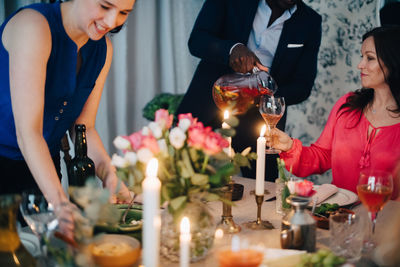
{"x": 236, "y": 35}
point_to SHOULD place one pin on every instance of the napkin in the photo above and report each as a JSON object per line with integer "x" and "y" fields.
{"x": 323, "y": 192}
{"x": 281, "y": 257}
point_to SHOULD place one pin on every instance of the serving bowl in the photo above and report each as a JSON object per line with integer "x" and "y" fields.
{"x": 114, "y": 250}
{"x": 323, "y": 222}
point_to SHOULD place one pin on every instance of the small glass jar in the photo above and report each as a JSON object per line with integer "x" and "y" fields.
{"x": 281, "y": 193}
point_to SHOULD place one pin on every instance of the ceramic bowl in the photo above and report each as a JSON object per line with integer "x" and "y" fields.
{"x": 237, "y": 193}
{"x": 323, "y": 222}
{"x": 113, "y": 250}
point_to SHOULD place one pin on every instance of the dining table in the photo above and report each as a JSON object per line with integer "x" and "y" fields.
{"x": 245, "y": 210}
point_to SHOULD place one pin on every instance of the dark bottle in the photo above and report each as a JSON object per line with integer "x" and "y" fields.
{"x": 81, "y": 167}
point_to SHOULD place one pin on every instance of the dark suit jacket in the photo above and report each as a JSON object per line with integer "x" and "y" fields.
{"x": 223, "y": 23}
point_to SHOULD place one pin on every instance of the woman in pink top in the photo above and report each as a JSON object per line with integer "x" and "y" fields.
{"x": 363, "y": 128}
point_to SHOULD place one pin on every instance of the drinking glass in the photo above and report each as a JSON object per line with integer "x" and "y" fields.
{"x": 271, "y": 109}
{"x": 374, "y": 190}
{"x": 40, "y": 217}
{"x": 346, "y": 235}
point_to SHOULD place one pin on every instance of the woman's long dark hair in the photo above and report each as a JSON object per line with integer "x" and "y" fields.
{"x": 387, "y": 43}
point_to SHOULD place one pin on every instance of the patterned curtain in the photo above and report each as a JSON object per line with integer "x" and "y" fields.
{"x": 343, "y": 24}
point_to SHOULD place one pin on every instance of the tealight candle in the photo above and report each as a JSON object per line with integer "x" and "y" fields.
{"x": 184, "y": 239}
{"x": 260, "y": 164}
{"x": 238, "y": 256}
{"x": 151, "y": 215}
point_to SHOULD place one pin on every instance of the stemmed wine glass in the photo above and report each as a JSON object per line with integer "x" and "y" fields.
{"x": 271, "y": 109}
{"x": 374, "y": 190}
{"x": 40, "y": 216}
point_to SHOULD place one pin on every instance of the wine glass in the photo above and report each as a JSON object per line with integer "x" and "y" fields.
{"x": 271, "y": 109}
{"x": 374, "y": 190}
{"x": 40, "y": 216}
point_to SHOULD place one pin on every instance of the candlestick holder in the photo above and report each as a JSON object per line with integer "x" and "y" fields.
{"x": 227, "y": 223}
{"x": 259, "y": 224}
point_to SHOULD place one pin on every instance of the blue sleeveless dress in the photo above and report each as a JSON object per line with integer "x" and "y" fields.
{"x": 65, "y": 91}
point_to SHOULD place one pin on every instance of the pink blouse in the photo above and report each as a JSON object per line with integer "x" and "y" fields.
{"x": 345, "y": 147}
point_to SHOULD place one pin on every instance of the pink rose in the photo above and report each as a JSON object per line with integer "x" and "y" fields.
{"x": 136, "y": 140}
{"x": 163, "y": 118}
{"x": 151, "y": 143}
{"x": 214, "y": 143}
{"x": 304, "y": 188}
{"x": 196, "y": 135}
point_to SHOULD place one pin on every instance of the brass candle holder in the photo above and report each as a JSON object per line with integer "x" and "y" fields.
{"x": 227, "y": 223}
{"x": 259, "y": 224}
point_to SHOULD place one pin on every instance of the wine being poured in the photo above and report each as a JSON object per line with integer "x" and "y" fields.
{"x": 271, "y": 109}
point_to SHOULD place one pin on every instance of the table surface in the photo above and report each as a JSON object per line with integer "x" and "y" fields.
{"x": 246, "y": 210}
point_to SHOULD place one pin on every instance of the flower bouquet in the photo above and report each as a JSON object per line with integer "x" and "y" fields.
{"x": 290, "y": 186}
{"x": 194, "y": 163}
{"x": 193, "y": 159}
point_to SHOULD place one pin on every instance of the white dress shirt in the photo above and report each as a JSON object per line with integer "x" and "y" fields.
{"x": 263, "y": 40}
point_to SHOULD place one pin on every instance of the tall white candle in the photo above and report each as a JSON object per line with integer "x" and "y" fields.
{"x": 184, "y": 239}
{"x": 260, "y": 165}
{"x": 226, "y": 126}
{"x": 151, "y": 215}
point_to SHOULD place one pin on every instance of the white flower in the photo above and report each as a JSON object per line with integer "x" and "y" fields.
{"x": 119, "y": 161}
{"x": 291, "y": 186}
{"x": 246, "y": 151}
{"x": 144, "y": 155}
{"x": 121, "y": 143}
{"x": 131, "y": 157}
{"x": 155, "y": 129}
{"x": 229, "y": 151}
{"x": 145, "y": 131}
{"x": 184, "y": 124}
{"x": 177, "y": 137}
{"x": 162, "y": 144}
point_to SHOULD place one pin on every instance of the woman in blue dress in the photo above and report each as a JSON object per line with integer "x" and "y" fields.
{"x": 54, "y": 62}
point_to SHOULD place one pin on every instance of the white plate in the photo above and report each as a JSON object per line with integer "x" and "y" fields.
{"x": 343, "y": 197}
{"x": 31, "y": 243}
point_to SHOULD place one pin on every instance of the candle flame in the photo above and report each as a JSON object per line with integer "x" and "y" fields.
{"x": 152, "y": 168}
{"x": 263, "y": 130}
{"x": 226, "y": 114}
{"x": 219, "y": 233}
{"x": 185, "y": 226}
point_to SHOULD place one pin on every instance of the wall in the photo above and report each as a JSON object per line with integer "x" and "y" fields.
{"x": 343, "y": 24}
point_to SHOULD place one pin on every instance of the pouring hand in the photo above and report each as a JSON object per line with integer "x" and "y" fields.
{"x": 243, "y": 59}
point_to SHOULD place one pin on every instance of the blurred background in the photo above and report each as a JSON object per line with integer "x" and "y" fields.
{"x": 151, "y": 56}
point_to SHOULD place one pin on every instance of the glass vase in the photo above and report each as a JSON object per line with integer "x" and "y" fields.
{"x": 202, "y": 228}
{"x": 12, "y": 252}
{"x": 281, "y": 193}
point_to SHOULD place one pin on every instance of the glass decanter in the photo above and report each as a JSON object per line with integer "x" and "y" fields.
{"x": 238, "y": 92}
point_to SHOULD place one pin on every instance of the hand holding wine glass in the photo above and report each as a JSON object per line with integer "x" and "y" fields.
{"x": 271, "y": 109}
{"x": 374, "y": 190}
{"x": 279, "y": 140}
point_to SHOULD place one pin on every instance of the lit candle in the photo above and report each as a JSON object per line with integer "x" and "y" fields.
{"x": 260, "y": 165}
{"x": 226, "y": 126}
{"x": 184, "y": 239}
{"x": 151, "y": 215}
